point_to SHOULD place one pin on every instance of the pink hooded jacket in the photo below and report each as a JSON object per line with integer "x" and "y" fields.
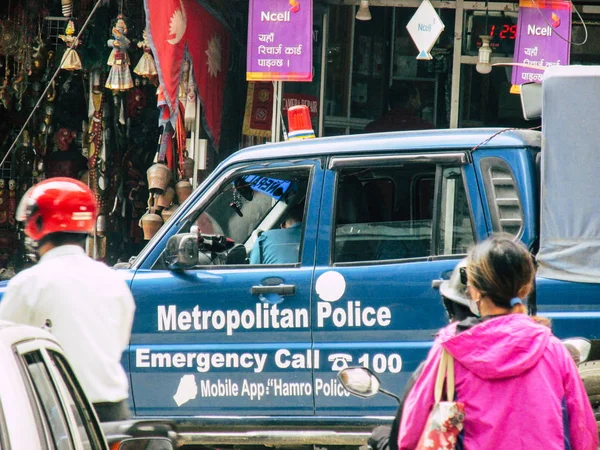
{"x": 520, "y": 387}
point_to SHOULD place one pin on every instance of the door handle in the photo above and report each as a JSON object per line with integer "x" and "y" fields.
{"x": 281, "y": 289}
{"x": 435, "y": 284}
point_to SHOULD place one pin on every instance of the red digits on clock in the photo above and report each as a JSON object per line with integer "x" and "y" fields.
{"x": 507, "y": 32}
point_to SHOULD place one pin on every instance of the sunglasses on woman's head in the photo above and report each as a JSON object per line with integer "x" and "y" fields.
{"x": 463, "y": 275}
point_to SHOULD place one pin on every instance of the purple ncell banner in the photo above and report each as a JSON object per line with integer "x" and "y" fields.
{"x": 280, "y": 40}
{"x": 538, "y": 41}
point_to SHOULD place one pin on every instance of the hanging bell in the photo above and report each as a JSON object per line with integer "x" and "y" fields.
{"x": 159, "y": 177}
{"x": 150, "y": 223}
{"x": 188, "y": 167}
{"x": 165, "y": 199}
{"x": 184, "y": 190}
{"x": 167, "y": 213}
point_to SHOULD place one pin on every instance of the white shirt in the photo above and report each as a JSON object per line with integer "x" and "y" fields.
{"x": 91, "y": 309}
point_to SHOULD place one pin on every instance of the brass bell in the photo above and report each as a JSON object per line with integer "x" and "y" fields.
{"x": 184, "y": 190}
{"x": 150, "y": 223}
{"x": 167, "y": 213}
{"x": 165, "y": 199}
{"x": 159, "y": 177}
{"x": 188, "y": 167}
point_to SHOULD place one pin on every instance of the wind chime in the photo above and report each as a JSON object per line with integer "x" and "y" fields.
{"x": 173, "y": 160}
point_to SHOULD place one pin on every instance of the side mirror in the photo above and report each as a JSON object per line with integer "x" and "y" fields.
{"x": 359, "y": 381}
{"x": 579, "y": 348}
{"x": 531, "y": 100}
{"x": 146, "y": 444}
{"x": 182, "y": 251}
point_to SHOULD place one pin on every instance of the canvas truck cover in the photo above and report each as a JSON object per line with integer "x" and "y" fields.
{"x": 570, "y": 174}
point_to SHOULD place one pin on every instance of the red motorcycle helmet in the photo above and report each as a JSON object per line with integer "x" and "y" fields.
{"x": 57, "y": 205}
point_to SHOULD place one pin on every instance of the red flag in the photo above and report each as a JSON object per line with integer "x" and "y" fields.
{"x": 177, "y": 26}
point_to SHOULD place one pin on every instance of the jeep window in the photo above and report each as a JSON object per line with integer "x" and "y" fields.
{"x": 387, "y": 213}
{"x": 246, "y": 206}
{"x": 53, "y": 415}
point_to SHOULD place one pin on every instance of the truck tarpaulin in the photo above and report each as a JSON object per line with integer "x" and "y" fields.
{"x": 570, "y": 170}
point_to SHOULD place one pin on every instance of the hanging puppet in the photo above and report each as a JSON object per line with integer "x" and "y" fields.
{"x": 119, "y": 77}
{"x": 146, "y": 67}
{"x": 71, "y": 59}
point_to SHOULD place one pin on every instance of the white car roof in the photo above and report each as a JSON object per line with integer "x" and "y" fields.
{"x": 12, "y": 333}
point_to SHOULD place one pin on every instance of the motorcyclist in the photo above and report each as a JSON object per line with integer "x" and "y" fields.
{"x": 87, "y": 305}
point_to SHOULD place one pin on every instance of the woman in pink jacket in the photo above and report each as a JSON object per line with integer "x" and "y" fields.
{"x": 519, "y": 385}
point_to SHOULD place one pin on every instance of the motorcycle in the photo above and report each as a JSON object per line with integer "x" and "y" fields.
{"x": 363, "y": 383}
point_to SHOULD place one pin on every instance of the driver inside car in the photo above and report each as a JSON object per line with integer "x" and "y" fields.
{"x": 280, "y": 245}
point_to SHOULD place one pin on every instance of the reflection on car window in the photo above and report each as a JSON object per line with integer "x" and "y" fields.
{"x": 47, "y": 396}
{"x": 80, "y": 409}
{"x": 248, "y": 205}
{"x": 387, "y": 213}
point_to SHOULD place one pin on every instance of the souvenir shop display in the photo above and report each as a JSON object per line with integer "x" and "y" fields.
{"x": 74, "y": 128}
{"x": 119, "y": 77}
{"x": 80, "y": 97}
{"x": 71, "y": 59}
{"x": 146, "y": 67}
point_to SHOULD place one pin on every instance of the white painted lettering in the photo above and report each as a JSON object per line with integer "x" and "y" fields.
{"x": 142, "y": 357}
{"x": 184, "y": 321}
{"x": 166, "y": 320}
{"x": 539, "y": 31}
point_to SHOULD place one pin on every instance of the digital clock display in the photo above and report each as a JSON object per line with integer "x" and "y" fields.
{"x": 500, "y": 27}
{"x": 505, "y": 31}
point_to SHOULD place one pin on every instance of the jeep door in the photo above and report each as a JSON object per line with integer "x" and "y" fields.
{"x": 228, "y": 337}
{"x": 391, "y": 227}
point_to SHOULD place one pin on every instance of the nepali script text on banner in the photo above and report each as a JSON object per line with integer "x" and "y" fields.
{"x": 280, "y": 40}
{"x": 544, "y": 32}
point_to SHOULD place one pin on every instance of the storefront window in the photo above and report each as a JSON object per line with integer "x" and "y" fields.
{"x": 588, "y": 53}
{"x": 430, "y": 77}
{"x": 370, "y": 62}
{"x": 370, "y": 65}
{"x": 487, "y": 101}
{"x": 339, "y": 54}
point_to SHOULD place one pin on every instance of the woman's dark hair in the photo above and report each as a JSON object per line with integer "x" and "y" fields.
{"x": 499, "y": 268}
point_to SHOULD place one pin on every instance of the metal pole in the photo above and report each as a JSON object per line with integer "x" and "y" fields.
{"x": 275, "y": 115}
{"x": 276, "y": 118}
{"x": 456, "y": 66}
{"x": 323, "y": 74}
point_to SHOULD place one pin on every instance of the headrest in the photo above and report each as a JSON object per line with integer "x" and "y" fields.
{"x": 352, "y": 204}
